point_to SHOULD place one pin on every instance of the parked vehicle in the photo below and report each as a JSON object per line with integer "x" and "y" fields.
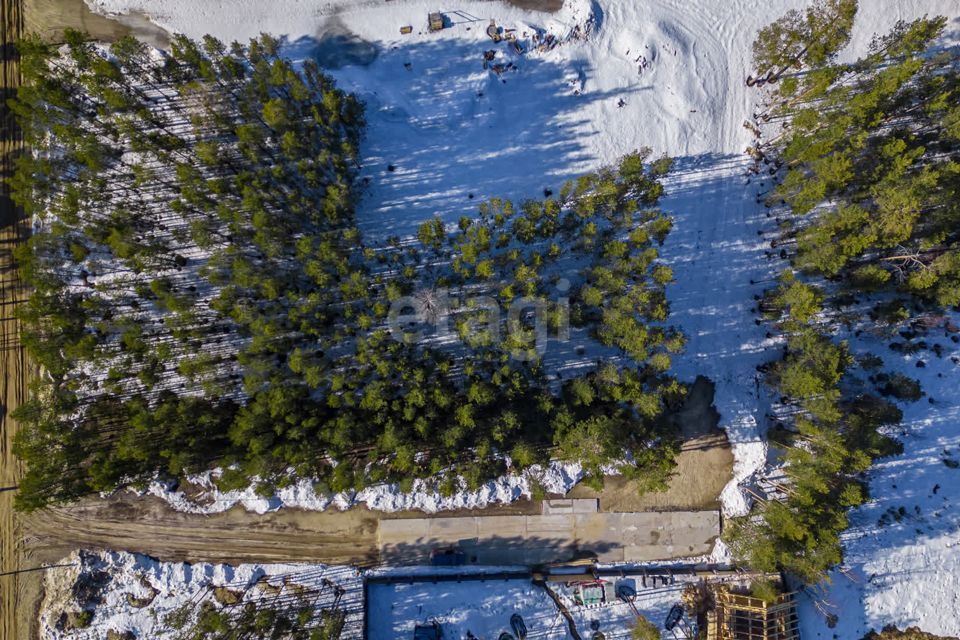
{"x": 673, "y": 617}
{"x": 518, "y": 626}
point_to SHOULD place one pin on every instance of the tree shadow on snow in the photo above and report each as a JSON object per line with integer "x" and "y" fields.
{"x": 445, "y": 134}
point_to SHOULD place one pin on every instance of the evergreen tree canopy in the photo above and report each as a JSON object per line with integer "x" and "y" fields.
{"x": 872, "y": 176}
{"x": 802, "y": 39}
{"x": 203, "y": 297}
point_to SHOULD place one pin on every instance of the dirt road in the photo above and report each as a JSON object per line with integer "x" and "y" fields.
{"x": 15, "y": 589}
{"x": 148, "y": 526}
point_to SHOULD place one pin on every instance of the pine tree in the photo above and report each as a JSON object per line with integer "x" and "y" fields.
{"x": 800, "y": 39}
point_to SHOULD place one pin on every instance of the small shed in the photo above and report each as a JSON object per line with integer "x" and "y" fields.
{"x": 435, "y": 21}
{"x": 406, "y": 29}
{"x": 594, "y": 594}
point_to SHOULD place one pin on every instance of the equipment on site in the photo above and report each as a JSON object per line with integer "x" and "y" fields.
{"x": 676, "y": 612}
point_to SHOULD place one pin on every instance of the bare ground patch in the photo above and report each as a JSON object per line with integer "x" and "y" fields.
{"x": 49, "y": 18}
{"x": 704, "y": 466}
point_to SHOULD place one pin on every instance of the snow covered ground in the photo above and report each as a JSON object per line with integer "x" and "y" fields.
{"x": 557, "y": 478}
{"x": 443, "y": 129}
{"x": 131, "y": 592}
{"x": 902, "y": 563}
{"x": 134, "y": 593}
{"x": 484, "y": 608}
{"x": 481, "y": 607}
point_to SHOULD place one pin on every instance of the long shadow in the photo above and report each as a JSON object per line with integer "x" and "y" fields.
{"x": 720, "y": 256}
{"x": 499, "y": 550}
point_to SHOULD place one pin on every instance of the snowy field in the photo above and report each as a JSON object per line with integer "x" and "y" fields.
{"x": 902, "y": 562}
{"x": 664, "y": 74}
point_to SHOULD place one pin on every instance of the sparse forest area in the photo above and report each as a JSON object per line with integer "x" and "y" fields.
{"x": 202, "y": 296}
{"x": 867, "y": 173}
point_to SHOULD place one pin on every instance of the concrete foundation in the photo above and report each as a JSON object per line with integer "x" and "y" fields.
{"x": 567, "y": 529}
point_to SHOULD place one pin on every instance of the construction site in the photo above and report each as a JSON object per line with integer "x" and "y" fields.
{"x": 740, "y": 616}
{"x": 443, "y": 599}
{"x": 694, "y": 601}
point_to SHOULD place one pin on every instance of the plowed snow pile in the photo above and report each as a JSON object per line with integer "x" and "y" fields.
{"x": 445, "y": 132}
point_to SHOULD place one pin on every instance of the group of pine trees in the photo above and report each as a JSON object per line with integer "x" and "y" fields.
{"x": 290, "y": 617}
{"x": 202, "y": 296}
{"x": 834, "y": 435}
{"x": 172, "y": 199}
{"x": 869, "y": 174}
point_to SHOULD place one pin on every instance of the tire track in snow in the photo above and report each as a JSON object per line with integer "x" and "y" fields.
{"x": 714, "y": 248}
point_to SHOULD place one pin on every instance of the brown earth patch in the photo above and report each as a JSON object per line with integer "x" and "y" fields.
{"x": 704, "y": 465}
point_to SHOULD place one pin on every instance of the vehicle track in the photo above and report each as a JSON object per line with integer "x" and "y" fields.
{"x": 146, "y": 525}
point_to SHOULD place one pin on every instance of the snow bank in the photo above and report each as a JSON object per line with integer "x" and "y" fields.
{"x": 557, "y": 478}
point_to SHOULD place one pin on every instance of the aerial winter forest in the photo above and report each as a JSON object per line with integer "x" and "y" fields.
{"x": 587, "y": 319}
